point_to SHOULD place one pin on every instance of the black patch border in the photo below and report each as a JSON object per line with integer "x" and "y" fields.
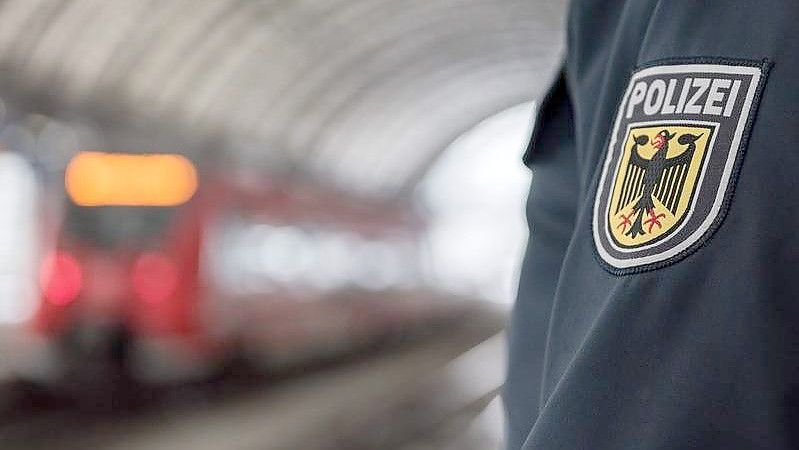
{"x": 765, "y": 66}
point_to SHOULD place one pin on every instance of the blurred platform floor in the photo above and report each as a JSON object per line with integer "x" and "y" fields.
{"x": 436, "y": 393}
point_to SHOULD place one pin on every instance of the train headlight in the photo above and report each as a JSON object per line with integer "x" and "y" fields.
{"x": 61, "y": 278}
{"x": 154, "y": 277}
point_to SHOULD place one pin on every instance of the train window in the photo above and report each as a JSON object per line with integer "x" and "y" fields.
{"x": 123, "y": 199}
{"x": 116, "y": 226}
{"x": 244, "y": 256}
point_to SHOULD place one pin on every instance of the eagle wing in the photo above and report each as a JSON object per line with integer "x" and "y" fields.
{"x": 636, "y": 159}
{"x": 669, "y": 187}
{"x": 633, "y": 181}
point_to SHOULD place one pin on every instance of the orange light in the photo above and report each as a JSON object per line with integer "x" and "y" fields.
{"x": 100, "y": 179}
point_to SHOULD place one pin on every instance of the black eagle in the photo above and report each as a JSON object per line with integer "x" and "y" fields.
{"x": 658, "y": 177}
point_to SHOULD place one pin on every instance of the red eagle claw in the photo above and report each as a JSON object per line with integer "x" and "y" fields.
{"x": 654, "y": 219}
{"x": 625, "y": 222}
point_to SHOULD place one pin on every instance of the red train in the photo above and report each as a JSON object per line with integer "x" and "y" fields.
{"x": 156, "y": 275}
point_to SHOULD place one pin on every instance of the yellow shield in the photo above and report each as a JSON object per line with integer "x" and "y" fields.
{"x": 656, "y": 180}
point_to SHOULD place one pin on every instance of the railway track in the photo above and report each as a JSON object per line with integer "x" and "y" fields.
{"x": 349, "y": 404}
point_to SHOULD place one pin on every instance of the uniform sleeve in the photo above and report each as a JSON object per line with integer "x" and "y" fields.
{"x": 684, "y": 338}
{"x": 550, "y": 212}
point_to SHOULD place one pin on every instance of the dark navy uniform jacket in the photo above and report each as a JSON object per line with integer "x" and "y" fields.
{"x": 659, "y": 297}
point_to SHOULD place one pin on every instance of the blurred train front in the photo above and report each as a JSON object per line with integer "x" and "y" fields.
{"x": 121, "y": 270}
{"x": 156, "y": 275}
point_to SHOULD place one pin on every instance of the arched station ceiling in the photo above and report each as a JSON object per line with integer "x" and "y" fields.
{"x": 361, "y": 93}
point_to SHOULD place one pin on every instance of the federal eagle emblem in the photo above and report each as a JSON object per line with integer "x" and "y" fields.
{"x": 651, "y": 195}
{"x": 672, "y": 158}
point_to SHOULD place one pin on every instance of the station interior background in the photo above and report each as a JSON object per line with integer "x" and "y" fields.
{"x": 263, "y": 224}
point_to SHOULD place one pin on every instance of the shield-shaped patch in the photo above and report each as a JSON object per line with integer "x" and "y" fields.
{"x": 675, "y": 150}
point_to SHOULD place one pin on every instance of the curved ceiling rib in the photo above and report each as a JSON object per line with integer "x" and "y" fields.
{"x": 362, "y": 93}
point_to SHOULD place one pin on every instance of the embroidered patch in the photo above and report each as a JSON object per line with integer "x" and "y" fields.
{"x": 669, "y": 173}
